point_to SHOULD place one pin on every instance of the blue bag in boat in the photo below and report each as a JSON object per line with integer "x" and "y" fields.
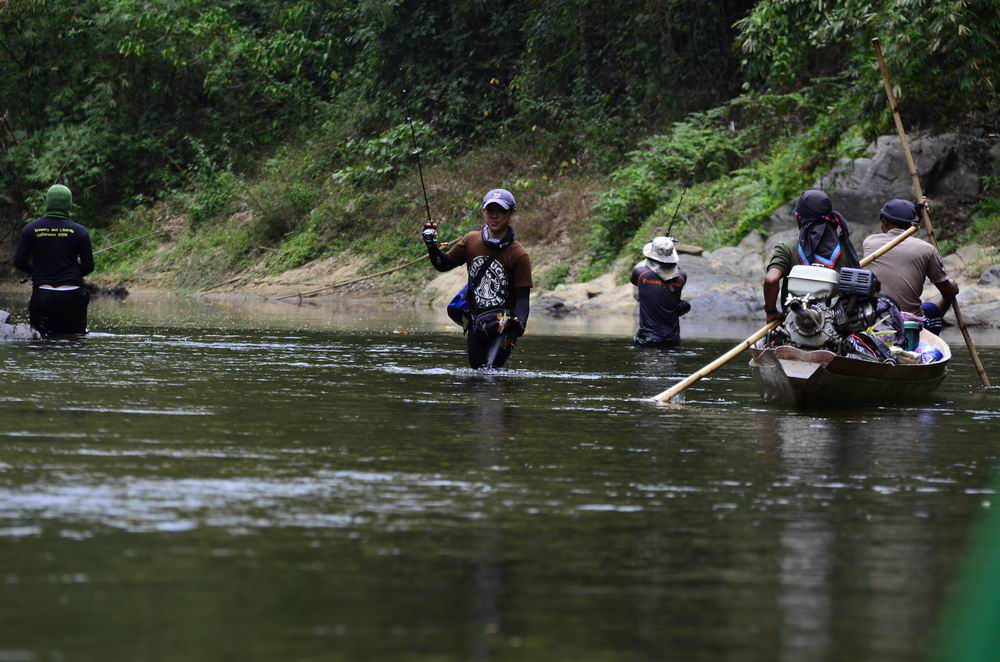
{"x": 458, "y": 308}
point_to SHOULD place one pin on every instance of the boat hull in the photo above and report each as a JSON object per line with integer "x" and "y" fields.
{"x": 794, "y": 377}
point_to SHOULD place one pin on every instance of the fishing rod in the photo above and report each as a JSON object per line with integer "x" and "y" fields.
{"x": 416, "y": 153}
{"x": 677, "y": 209}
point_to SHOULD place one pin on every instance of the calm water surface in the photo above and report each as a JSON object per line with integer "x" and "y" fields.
{"x": 200, "y": 481}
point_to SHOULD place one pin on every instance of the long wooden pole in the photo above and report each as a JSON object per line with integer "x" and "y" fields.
{"x": 760, "y": 333}
{"x": 923, "y": 210}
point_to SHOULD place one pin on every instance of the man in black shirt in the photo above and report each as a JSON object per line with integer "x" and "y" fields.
{"x": 56, "y": 252}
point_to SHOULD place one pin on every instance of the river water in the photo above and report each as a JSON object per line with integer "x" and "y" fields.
{"x": 232, "y": 481}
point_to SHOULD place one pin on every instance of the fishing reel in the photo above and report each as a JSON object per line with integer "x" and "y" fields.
{"x": 429, "y": 234}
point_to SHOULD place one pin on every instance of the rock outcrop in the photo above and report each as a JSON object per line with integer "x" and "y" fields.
{"x": 20, "y": 331}
{"x": 726, "y": 283}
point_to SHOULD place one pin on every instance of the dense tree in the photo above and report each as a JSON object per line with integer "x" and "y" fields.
{"x": 125, "y": 99}
{"x": 944, "y": 55}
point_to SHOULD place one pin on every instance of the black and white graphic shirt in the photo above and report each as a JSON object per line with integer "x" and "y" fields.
{"x": 493, "y": 290}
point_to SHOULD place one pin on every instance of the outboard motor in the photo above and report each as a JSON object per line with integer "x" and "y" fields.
{"x": 826, "y": 307}
{"x": 857, "y": 301}
{"x": 811, "y": 290}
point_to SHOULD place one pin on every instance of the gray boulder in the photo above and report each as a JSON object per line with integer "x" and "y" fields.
{"x": 740, "y": 302}
{"x": 20, "y": 331}
{"x": 860, "y": 187}
{"x": 990, "y": 277}
{"x": 553, "y": 306}
{"x": 980, "y": 307}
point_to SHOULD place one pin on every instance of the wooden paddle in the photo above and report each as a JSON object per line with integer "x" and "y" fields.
{"x": 763, "y": 331}
{"x": 926, "y": 217}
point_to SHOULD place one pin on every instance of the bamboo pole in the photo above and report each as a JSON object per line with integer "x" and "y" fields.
{"x": 923, "y": 211}
{"x": 667, "y": 395}
{"x": 717, "y": 363}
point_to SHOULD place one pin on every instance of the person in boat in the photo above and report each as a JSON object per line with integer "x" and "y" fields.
{"x": 824, "y": 240}
{"x": 499, "y": 279}
{"x": 903, "y": 270}
{"x": 658, "y": 283}
{"x": 56, "y": 252}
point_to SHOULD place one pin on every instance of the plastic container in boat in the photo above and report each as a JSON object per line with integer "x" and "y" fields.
{"x": 911, "y": 331}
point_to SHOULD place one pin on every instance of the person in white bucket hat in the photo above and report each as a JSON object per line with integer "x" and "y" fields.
{"x": 658, "y": 284}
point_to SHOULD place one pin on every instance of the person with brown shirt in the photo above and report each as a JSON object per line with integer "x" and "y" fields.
{"x": 903, "y": 270}
{"x": 499, "y": 279}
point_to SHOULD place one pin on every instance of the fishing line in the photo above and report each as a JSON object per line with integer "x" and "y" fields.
{"x": 121, "y": 243}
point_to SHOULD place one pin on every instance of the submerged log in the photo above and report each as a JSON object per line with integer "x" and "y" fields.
{"x": 118, "y": 292}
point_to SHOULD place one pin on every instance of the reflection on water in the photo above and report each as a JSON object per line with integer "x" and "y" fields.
{"x": 232, "y": 480}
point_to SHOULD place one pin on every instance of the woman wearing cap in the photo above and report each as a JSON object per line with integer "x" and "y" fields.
{"x": 499, "y": 279}
{"x": 658, "y": 284}
{"x": 902, "y": 270}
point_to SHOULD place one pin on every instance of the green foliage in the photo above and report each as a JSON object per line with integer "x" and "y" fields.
{"x": 214, "y": 197}
{"x": 553, "y": 277}
{"x": 376, "y": 162}
{"x": 126, "y": 244}
{"x": 298, "y": 250}
{"x": 925, "y": 42}
{"x": 284, "y": 123}
{"x": 697, "y": 149}
{"x": 736, "y": 183}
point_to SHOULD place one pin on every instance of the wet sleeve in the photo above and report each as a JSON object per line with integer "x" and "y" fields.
{"x": 522, "y": 303}
{"x": 86, "y": 254}
{"x": 440, "y": 261}
{"x": 22, "y": 258}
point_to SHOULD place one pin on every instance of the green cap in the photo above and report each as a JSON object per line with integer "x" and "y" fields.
{"x": 58, "y": 201}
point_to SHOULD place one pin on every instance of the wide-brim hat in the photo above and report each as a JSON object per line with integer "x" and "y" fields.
{"x": 663, "y": 255}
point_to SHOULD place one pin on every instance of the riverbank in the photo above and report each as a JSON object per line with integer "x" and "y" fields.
{"x": 723, "y": 284}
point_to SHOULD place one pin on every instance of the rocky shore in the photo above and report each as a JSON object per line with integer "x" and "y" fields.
{"x": 725, "y": 284}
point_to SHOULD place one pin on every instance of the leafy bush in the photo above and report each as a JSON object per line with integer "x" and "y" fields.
{"x": 553, "y": 277}
{"x": 212, "y": 199}
{"x": 784, "y": 44}
{"x": 298, "y": 250}
{"x": 376, "y": 162}
{"x": 695, "y": 150}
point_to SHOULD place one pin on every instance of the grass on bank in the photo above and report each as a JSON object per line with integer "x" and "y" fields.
{"x": 326, "y": 197}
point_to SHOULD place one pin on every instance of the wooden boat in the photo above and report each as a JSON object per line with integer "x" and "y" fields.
{"x": 818, "y": 378}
